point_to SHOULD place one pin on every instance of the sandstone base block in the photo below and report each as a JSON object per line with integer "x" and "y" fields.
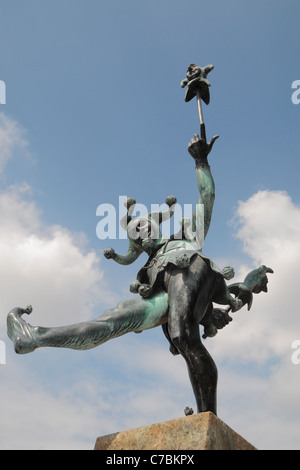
{"x": 201, "y": 431}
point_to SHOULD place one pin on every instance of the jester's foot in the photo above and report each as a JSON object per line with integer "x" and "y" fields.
{"x": 20, "y": 332}
{"x": 210, "y": 331}
{"x": 236, "y": 304}
{"x": 145, "y": 291}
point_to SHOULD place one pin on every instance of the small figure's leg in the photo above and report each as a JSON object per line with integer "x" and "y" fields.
{"x": 134, "y": 315}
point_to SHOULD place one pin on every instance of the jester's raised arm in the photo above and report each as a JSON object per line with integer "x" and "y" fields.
{"x": 199, "y": 150}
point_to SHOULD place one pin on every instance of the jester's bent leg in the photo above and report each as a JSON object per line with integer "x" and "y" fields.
{"x": 190, "y": 294}
{"x": 133, "y": 315}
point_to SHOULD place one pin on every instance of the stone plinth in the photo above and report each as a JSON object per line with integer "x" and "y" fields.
{"x": 202, "y": 431}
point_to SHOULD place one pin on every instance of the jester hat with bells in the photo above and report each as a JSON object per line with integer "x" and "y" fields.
{"x": 144, "y": 233}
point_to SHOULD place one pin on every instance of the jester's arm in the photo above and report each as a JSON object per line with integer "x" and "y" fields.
{"x": 206, "y": 188}
{"x": 199, "y": 150}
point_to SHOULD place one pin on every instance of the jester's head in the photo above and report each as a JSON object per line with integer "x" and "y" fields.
{"x": 144, "y": 234}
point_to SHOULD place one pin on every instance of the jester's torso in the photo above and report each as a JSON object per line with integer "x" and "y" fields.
{"x": 178, "y": 253}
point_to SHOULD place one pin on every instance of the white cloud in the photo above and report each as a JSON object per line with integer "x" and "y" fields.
{"x": 261, "y": 395}
{"x": 269, "y": 227}
{"x": 43, "y": 266}
{"x": 48, "y": 267}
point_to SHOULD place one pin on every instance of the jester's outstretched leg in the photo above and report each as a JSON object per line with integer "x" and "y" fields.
{"x": 134, "y": 315}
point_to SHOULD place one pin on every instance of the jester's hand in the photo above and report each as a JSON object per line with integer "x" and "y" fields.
{"x": 199, "y": 148}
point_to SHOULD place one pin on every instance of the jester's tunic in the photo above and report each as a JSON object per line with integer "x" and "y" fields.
{"x": 174, "y": 252}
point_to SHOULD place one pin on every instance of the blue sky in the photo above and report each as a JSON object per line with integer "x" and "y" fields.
{"x": 94, "y": 110}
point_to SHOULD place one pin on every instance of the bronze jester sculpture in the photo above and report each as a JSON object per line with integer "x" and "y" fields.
{"x": 176, "y": 288}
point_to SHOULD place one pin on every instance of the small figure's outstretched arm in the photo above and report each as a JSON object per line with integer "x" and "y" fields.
{"x": 199, "y": 150}
{"x": 131, "y": 255}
